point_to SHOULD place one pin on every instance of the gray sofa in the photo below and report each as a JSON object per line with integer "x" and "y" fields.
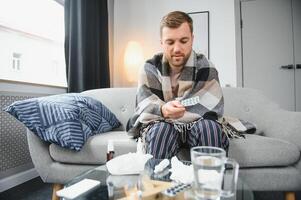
{"x": 269, "y": 159}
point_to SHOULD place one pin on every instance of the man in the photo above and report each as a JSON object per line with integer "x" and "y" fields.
{"x": 160, "y": 118}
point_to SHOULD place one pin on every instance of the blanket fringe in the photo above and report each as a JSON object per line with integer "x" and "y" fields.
{"x": 183, "y": 129}
{"x": 229, "y": 131}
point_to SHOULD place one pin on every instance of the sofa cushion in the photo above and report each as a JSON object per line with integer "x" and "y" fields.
{"x": 260, "y": 151}
{"x": 254, "y": 151}
{"x": 94, "y": 150}
{"x": 65, "y": 119}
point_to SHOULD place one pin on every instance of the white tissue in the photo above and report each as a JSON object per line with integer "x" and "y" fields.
{"x": 161, "y": 166}
{"x": 180, "y": 172}
{"x": 121, "y": 181}
{"x": 131, "y": 163}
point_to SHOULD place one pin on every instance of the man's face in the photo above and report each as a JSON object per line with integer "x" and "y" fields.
{"x": 177, "y": 44}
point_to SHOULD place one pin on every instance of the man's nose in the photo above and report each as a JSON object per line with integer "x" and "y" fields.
{"x": 177, "y": 47}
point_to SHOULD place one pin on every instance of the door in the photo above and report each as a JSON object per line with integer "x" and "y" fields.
{"x": 297, "y": 47}
{"x": 267, "y": 42}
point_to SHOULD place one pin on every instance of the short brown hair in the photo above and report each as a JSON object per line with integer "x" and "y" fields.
{"x": 175, "y": 19}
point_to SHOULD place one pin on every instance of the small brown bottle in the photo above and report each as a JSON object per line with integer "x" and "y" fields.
{"x": 110, "y": 150}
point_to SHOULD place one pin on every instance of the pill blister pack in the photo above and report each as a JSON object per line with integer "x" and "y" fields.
{"x": 174, "y": 190}
{"x": 191, "y": 101}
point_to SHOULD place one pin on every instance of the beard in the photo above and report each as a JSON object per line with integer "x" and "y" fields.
{"x": 178, "y": 60}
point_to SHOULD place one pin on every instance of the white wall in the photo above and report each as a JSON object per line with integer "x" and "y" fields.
{"x": 139, "y": 20}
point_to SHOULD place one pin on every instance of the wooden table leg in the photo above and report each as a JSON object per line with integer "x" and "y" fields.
{"x": 290, "y": 196}
{"x": 56, "y": 187}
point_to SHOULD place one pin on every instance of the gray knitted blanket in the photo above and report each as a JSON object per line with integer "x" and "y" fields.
{"x": 198, "y": 78}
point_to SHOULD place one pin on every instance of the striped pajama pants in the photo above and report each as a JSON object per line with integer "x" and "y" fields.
{"x": 164, "y": 141}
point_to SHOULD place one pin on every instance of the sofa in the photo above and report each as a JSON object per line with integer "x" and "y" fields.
{"x": 269, "y": 159}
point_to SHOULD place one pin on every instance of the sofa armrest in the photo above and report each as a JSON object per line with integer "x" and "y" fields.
{"x": 284, "y": 125}
{"x": 39, "y": 152}
{"x": 49, "y": 170}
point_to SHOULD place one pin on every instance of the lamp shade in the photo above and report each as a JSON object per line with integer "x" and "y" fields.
{"x": 133, "y": 60}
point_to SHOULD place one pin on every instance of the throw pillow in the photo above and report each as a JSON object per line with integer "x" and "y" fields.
{"x": 66, "y": 119}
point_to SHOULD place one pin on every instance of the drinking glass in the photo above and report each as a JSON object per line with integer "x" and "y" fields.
{"x": 209, "y": 168}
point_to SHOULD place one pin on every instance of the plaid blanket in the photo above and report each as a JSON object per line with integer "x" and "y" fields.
{"x": 198, "y": 78}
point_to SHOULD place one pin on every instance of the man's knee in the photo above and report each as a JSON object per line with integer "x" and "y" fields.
{"x": 161, "y": 140}
{"x": 206, "y": 133}
{"x": 159, "y": 129}
{"x": 208, "y": 125}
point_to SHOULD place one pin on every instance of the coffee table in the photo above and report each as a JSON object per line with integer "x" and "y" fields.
{"x": 113, "y": 187}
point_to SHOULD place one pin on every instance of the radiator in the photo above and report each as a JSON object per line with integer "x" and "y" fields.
{"x": 14, "y": 156}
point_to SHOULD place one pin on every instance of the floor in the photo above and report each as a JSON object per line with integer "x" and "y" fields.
{"x": 35, "y": 189}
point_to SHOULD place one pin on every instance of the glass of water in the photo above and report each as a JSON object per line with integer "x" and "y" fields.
{"x": 209, "y": 168}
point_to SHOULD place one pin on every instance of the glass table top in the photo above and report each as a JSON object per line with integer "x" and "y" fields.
{"x": 117, "y": 187}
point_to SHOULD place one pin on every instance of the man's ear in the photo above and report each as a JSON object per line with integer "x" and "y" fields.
{"x": 161, "y": 43}
{"x": 192, "y": 38}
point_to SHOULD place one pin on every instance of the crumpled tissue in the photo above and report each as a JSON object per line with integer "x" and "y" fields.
{"x": 180, "y": 172}
{"x": 121, "y": 181}
{"x": 126, "y": 164}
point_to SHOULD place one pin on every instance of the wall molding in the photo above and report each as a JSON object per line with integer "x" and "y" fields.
{"x": 14, "y": 180}
{"x": 12, "y": 86}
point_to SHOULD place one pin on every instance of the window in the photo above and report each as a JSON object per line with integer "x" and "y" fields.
{"x": 16, "y": 61}
{"x": 32, "y": 42}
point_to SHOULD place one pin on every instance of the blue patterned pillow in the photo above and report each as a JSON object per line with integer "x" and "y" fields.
{"x": 66, "y": 119}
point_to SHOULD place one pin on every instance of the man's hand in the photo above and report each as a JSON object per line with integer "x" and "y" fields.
{"x": 173, "y": 110}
